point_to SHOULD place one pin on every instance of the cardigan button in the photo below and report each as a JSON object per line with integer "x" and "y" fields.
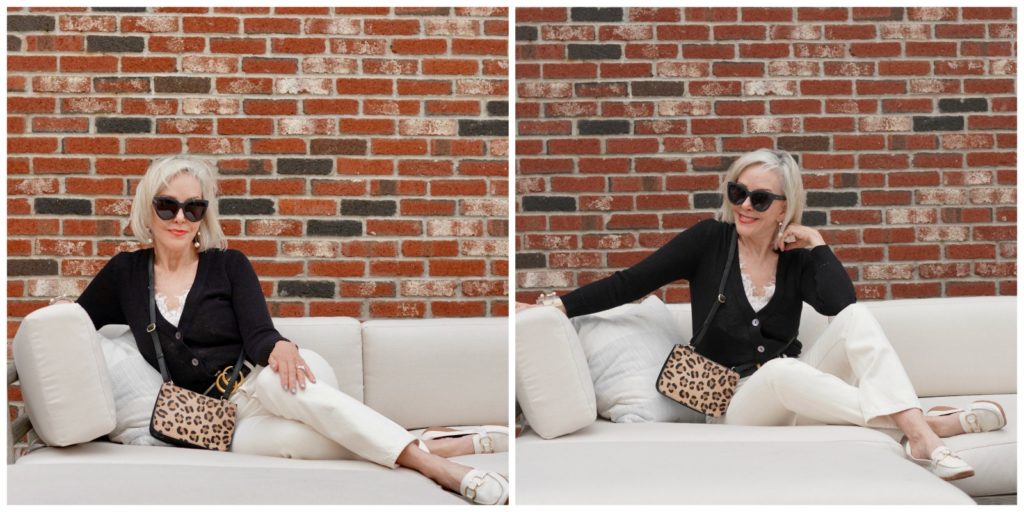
{"x": 177, "y": 335}
{"x": 195, "y": 362}
{"x": 756, "y": 322}
{"x": 760, "y": 348}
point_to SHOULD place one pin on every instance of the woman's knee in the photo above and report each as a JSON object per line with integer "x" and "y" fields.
{"x": 855, "y": 310}
{"x": 780, "y": 371}
{"x": 270, "y": 381}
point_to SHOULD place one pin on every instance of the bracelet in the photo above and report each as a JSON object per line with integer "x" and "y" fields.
{"x": 69, "y": 298}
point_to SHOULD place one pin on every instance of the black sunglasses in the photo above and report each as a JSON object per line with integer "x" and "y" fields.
{"x": 761, "y": 200}
{"x": 167, "y": 208}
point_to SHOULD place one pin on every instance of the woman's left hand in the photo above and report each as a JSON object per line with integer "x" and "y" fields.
{"x": 797, "y": 236}
{"x": 289, "y": 365}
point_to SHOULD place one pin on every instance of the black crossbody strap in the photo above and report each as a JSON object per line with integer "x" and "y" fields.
{"x": 721, "y": 293}
{"x": 151, "y": 329}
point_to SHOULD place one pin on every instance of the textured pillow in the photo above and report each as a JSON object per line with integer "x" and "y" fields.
{"x": 63, "y": 377}
{"x": 135, "y": 384}
{"x": 626, "y": 348}
{"x": 553, "y": 384}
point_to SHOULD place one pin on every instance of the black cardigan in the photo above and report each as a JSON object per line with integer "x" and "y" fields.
{"x": 737, "y": 335}
{"x": 223, "y": 312}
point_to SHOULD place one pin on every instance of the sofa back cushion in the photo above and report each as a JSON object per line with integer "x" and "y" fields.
{"x": 434, "y": 372}
{"x": 64, "y": 379}
{"x": 337, "y": 339}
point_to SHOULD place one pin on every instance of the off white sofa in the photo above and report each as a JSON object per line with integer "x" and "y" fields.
{"x": 955, "y": 350}
{"x": 419, "y": 373}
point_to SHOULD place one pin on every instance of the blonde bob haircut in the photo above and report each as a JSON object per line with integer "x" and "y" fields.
{"x": 780, "y": 162}
{"x": 158, "y": 176}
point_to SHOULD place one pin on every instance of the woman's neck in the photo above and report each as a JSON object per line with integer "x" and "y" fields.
{"x": 173, "y": 260}
{"x": 758, "y": 247}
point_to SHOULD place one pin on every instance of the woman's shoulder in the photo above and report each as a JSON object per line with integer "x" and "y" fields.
{"x": 230, "y": 259}
{"x": 712, "y": 227}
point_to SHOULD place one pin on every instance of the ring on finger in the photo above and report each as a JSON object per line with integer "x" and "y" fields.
{"x": 300, "y": 366}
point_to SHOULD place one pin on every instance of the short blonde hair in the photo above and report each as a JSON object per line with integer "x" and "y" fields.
{"x": 783, "y": 164}
{"x": 159, "y": 175}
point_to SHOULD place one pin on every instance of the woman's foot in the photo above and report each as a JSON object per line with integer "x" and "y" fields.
{"x": 483, "y": 439}
{"x": 448, "y": 447}
{"x": 941, "y": 461}
{"x": 484, "y": 488}
{"x": 480, "y": 487}
{"x": 980, "y": 416}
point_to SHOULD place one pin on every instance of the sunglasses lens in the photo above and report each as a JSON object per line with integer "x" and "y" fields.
{"x": 165, "y": 208}
{"x": 194, "y": 210}
{"x": 761, "y": 201}
{"x": 736, "y": 193}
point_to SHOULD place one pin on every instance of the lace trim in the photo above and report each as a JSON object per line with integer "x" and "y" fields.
{"x": 171, "y": 315}
{"x": 757, "y": 300}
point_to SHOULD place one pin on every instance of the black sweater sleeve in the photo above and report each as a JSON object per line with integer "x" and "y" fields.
{"x": 824, "y": 283}
{"x": 675, "y": 260}
{"x": 101, "y": 299}
{"x": 254, "y": 323}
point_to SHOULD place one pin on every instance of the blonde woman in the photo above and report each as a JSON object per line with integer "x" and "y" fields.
{"x": 211, "y": 307}
{"x": 851, "y": 375}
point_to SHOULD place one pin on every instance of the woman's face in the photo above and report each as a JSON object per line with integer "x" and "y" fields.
{"x": 750, "y": 222}
{"x": 177, "y": 234}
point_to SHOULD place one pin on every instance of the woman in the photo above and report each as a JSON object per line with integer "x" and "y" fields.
{"x": 851, "y": 375}
{"x": 211, "y": 307}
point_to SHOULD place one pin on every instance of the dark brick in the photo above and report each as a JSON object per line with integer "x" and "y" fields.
{"x": 530, "y": 260}
{"x": 337, "y": 147}
{"x": 368, "y": 208}
{"x": 112, "y": 44}
{"x": 831, "y": 199}
{"x": 603, "y": 127}
{"x": 246, "y": 206}
{"x": 31, "y": 23}
{"x": 497, "y": 108}
{"x": 938, "y": 123}
{"x": 526, "y": 33}
{"x": 334, "y": 228}
{"x": 594, "y": 51}
{"x": 894, "y": 14}
{"x": 814, "y": 218}
{"x": 474, "y": 128}
{"x": 963, "y": 105}
{"x": 549, "y": 204}
{"x": 319, "y": 289}
{"x": 252, "y": 166}
{"x": 803, "y": 143}
{"x": 119, "y": 9}
{"x": 600, "y": 89}
{"x": 708, "y": 165}
{"x": 63, "y": 206}
{"x": 32, "y": 267}
{"x": 309, "y": 166}
{"x": 184, "y": 84}
{"x": 596, "y": 14}
{"x": 118, "y": 83}
{"x": 13, "y": 43}
{"x": 677, "y": 88}
{"x": 124, "y": 125}
{"x": 707, "y": 200}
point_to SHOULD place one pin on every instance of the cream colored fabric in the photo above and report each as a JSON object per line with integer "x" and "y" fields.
{"x": 318, "y": 422}
{"x": 668, "y": 464}
{"x": 553, "y": 384}
{"x": 851, "y": 375}
{"x": 436, "y": 372}
{"x": 338, "y": 339}
{"x": 63, "y": 376}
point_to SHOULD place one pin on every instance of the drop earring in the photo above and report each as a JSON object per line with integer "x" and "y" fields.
{"x": 197, "y": 240}
{"x": 150, "y": 239}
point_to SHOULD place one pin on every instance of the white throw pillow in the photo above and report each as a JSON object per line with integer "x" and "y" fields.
{"x": 626, "y": 348}
{"x": 63, "y": 377}
{"x": 135, "y": 384}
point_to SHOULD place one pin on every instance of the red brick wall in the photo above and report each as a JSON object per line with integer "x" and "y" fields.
{"x": 904, "y": 121}
{"x": 362, "y": 151}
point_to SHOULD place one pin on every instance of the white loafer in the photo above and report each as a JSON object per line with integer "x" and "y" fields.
{"x": 980, "y": 416}
{"x": 486, "y": 438}
{"x": 484, "y": 488}
{"x": 943, "y": 463}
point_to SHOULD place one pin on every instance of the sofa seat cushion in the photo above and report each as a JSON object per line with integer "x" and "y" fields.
{"x": 992, "y": 454}
{"x": 664, "y": 463}
{"x": 83, "y": 474}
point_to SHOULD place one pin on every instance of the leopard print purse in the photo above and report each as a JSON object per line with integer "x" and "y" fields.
{"x": 183, "y": 417}
{"x": 694, "y": 380}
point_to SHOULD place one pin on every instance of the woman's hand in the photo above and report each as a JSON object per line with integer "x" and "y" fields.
{"x": 797, "y": 236}
{"x": 289, "y": 365}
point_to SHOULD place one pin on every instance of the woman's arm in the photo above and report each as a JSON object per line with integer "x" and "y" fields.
{"x": 675, "y": 260}
{"x": 101, "y": 299}
{"x": 824, "y": 283}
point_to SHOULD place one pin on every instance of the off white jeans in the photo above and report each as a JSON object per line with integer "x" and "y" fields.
{"x": 850, "y": 376}
{"x": 319, "y": 422}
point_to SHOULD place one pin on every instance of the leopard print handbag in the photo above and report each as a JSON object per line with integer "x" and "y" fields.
{"x": 185, "y": 418}
{"x": 697, "y": 382}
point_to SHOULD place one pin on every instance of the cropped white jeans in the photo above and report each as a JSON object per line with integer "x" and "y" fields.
{"x": 319, "y": 422}
{"x": 850, "y": 376}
